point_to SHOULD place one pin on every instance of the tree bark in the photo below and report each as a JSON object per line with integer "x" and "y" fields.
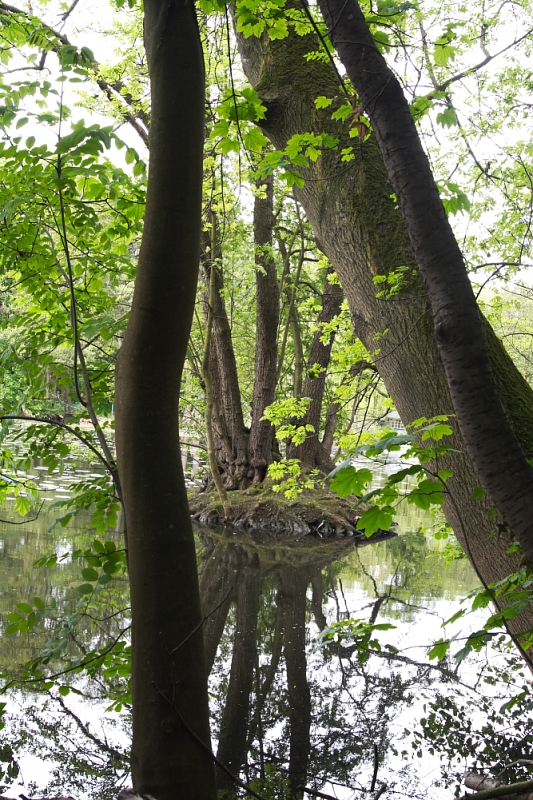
{"x": 208, "y": 383}
{"x": 311, "y": 452}
{"x": 486, "y": 430}
{"x": 168, "y": 671}
{"x": 266, "y": 339}
{"x": 355, "y": 220}
{"x": 224, "y": 376}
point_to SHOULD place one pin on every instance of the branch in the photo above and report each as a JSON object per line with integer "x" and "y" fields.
{"x": 444, "y": 85}
{"x": 111, "y": 90}
{"x": 500, "y": 791}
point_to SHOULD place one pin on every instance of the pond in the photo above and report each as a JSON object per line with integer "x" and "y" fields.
{"x": 289, "y": 708}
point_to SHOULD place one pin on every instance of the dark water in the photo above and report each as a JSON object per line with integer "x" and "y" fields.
{"x": 285, "y": 711}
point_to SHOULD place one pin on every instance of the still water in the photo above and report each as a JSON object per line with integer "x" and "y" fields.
{"x": 286, "y": 711}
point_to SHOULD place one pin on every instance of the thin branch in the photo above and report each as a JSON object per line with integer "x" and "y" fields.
{"x": 444, "y": 85}
{"x": 500, "y": 791}
{"x": 205, "y": 618}
{"x": 24, "y": 521}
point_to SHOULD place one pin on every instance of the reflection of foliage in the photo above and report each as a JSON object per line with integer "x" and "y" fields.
{"x": 479, "y": 729}
{"x": 84, "y": 760}
{"x": 9, "y": 768}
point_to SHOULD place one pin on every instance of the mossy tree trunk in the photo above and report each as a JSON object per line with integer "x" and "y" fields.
{"x": 485, "y": 428}
{"x": 355, "y": 220}
{"x": 169, "y": 684}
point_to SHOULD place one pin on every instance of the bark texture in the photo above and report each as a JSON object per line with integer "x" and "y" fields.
{"x": 312, "y": 453}
{"x": 232, "y": 434}
{"x": 486, "y": 430}
{"x": 266, "y": 338}
{"x": 168, "y": 670}
{"x": 362, "y": 233}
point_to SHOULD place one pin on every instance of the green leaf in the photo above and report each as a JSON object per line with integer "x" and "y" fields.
{"x": 374, "y": 519}
{"x": 478, "y": 493}
{"x": 322, "y": 101}
{"x": 24, "y": 607}
{"x": 12, "y": 629}
{"x": 439, "y": 650}
{"x": 89, "y": 574}
{"x": 462, "y": 654}
{"x": 343, "y": 111}
{"x": 350, "y": 481}
{"x": 85, "y": 588}
{"x": 64, "y": 690}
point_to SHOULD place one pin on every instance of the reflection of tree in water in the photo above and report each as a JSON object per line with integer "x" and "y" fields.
{"x": 314, "y": 716}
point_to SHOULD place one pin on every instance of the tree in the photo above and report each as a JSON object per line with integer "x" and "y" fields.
{"x": 171, "y": 742}
{"x": 354, "y": 217}
{"x": 485, "y": 428}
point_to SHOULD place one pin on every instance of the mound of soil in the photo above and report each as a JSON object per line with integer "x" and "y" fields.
{"x": 314, "y": 512}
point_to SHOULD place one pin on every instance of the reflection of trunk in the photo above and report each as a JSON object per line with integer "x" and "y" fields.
{"x": 292, "y": 594}
{"x": 490, "y": 440}
{"x": 265, "y": 687}
{"x": 218, "y": 587}
{"x": 311, "y": 452}
{"x": 168, "y": 672}
{"x": 318, "y": 598}
{"x": 358, "y": 227}
{"x": 235, "y": 718}
{"x": 267, "y": 319}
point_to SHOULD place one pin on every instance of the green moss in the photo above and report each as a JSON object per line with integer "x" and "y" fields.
{"x": 313, "y": 511}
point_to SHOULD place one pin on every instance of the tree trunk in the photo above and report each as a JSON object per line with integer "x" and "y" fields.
{"x": 266, "y": 339}
{"x": 311, "y": 452}
{"x": 208, "y": 383}
{"x": 362, "y": 233}
{"x": 168, "y": 671}
{"x": 224, "y": 377}
{"x": 488, "y": 435}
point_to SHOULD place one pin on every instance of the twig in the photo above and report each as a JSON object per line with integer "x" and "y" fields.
{"x": 315, "y": 792}
{"x": 24, "y": 521}
{"x": 201, "y": 622}
{"x": 83, "y": 439}
{"x": 376, "y": 766}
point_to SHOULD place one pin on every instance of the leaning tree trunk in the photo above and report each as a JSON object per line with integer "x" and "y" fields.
{"x": 171, "y": 740}
{"x": 486, "y": 430}
{"x": 266, "y": 336}
{"x": 360, "y": 230}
